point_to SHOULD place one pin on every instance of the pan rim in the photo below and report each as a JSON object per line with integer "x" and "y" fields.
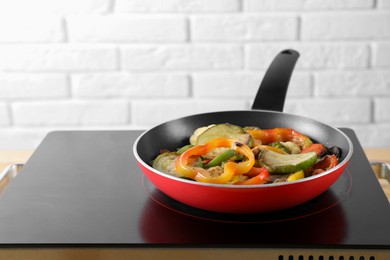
{"x": 256, "y": 186}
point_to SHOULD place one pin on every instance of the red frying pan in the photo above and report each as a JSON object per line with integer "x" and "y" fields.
{"x": 266, "y": 113}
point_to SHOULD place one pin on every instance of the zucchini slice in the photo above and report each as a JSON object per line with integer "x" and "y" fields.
{"x": 226, "y": 131}
{"x": 165, "y": 162}
{"x": 198, "y": 132}
{"x": 286, "y": 163}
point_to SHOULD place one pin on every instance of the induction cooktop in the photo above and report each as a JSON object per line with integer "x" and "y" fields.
{"x": 82, "y": 193}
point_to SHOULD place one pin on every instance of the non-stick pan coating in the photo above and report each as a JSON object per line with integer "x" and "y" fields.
{"x": 175, "y": 134}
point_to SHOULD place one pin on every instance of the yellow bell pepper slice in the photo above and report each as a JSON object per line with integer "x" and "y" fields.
{"x": 296, "y": 176}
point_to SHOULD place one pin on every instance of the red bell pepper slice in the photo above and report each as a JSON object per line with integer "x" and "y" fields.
{"x": 258, "y": 176}
{"x": 267, "y": 136}
{"x": 328, "y": 162}
{"x": 319, "y": 149}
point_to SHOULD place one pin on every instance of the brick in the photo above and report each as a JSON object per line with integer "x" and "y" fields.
{"x": 382, "y": 110}
{"x": 313, "y": 55}
{"x": 4, "y": 115}
{"x": 70, "y": 113}
{"x": 301, "y": 85}
{"x": 373, "y": 135}
{"x": 225, "y": 85}
{"x": 130, "y": 85}
{"x": 353, "y": 83}
{"x": 31, "y": 28}
{"x": 241, "y": 28}
{"x": 343, "y": 26}
{"x": 123, "y": 28}
{"x": 332, "y": 111}
{"x": 182, "y": 57}
{"x": 21, "y": 86}
{"x": 177, "y": 6}
{"x": 382, "y": 55}
{"x": 57, "y": 57}
{"x": 55, "y": 6}
{"x": 383, "y": 4}
{"x": 298, "y": 5}
{"x": 145, "y": 113}
{"x": 230, "y": 85}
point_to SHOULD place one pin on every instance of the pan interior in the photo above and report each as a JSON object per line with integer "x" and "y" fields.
{"x": 174, "y": 134}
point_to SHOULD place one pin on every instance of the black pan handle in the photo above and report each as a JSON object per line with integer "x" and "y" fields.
{"x": 273, "y": 88}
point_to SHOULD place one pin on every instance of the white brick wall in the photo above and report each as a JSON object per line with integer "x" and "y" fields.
{"x": 19, "y": 86}
{"x": 382, "y": 108}
{"x": 58, "y": 7}
{"x": 157, "y": 111}
{"x": 177, "y": 6}
{"x": 182, "y": 57}
{"x": 126, "y": 85}
{"x": 4, "y": 115}
{"x": 70, "y": 113}
{"x": 119, "y": 64}
{"x": 342, "y": 26}
{"x": 31, "y": 28}
{"x": 314, "y": 55}
{"x": 311, "y": 5}
{"x": 382, "y": 55}
{"x": 240, "y": 27}
{"x": 125, "y": 28}
{"x": 58, "y": 57}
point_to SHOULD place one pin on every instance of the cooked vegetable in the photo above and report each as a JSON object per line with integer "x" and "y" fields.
{"x": 225, "y": 131}
{"x": 184, "y": 148}
{"x": 165, "y": 162}
{"x": 280, "y": 146}
{"x": 260, "y": 176}
{"x": 335, "y": 150}
{"x": 326, "y": 163}
{"x": 286, "y": 163}
{"x": 272, "y": 148}
{"x": 296, "y": 176}
{"x": 197, "y": 132}
{"x": 230, "y": 154}
{"x": 229, "y": 169}
{"x": 319, "y": 149}
{"x": 223, "y": 157}
{"x": 291, "y": 147}
{"x": 267, "y": 136}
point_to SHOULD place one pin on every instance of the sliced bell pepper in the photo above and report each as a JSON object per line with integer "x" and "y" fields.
{"x": 296, "y": 176}
{"x": 328, "y": 162}
{"x": 184, "y": 148}
{"x": 229, "y": 169}
{"x": 319, "y": 149}
{"x": 268, "y": 136}
{"x": 258, "y": 176}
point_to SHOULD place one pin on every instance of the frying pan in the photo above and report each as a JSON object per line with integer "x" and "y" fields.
{"x": 266, "y": 113}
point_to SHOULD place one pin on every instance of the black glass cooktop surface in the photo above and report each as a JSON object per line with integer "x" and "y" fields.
{"x": 84, "y": 188}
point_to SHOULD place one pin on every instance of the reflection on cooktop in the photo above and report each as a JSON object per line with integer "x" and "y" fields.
{"x": 165, "y": 220}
